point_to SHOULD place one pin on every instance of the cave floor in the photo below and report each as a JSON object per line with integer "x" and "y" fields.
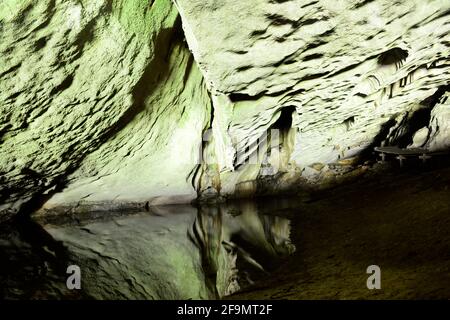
{"x": 399, "y": 221}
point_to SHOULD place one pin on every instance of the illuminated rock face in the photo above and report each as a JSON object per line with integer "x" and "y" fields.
{"x": 99, "y": 98}
{"x": 347, "y": 68}
{"x": 102, "y": 102}
{"x": 438, "y": 131}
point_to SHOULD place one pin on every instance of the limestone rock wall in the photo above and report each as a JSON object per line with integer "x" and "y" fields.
{"x": 151, "y": 160}
{"x": 348, "y": 69}
{"x": 93, "y": 96}
{"x": 436, "y": 135}
{"x": 439, "y": 129}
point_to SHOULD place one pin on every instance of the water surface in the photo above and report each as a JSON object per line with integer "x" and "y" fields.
{"x": 169, "y": 252}
{"x": 299, "y": 248}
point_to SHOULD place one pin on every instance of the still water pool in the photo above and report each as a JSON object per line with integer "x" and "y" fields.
{"x": 169, "y": 252}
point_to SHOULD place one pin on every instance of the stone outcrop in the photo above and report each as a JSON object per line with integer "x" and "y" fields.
{"x": 347, "y": 71}
{"x": 101, "y": 98}
{"x": 103, "y": 104}
{"x": 436, "y": 136}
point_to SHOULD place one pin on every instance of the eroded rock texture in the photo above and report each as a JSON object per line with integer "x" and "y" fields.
{"x": 101, "y": 97}
{"x": 102, "y": 102}
{"x": 344, "y": 71}
{"x": 436, "y": 135}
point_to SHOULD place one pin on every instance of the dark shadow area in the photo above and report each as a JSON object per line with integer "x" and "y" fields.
{"x": 236, "y": 97}
{"x": 395, "y": 220}
{"x": 265, "y": 248}
{"x": 368, "y": 154}
{"x": 418, "y": 120}
{"x": 33, "y": 264}
{"x": 284, "y": 122}
{"x": 392, "y": 56}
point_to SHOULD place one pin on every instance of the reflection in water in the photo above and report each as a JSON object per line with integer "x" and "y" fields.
{"x": 237, "y": 243}
{"x": 173, "y": 252}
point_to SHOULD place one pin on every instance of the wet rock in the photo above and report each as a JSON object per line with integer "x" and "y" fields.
{"x": 104, "y": 104}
